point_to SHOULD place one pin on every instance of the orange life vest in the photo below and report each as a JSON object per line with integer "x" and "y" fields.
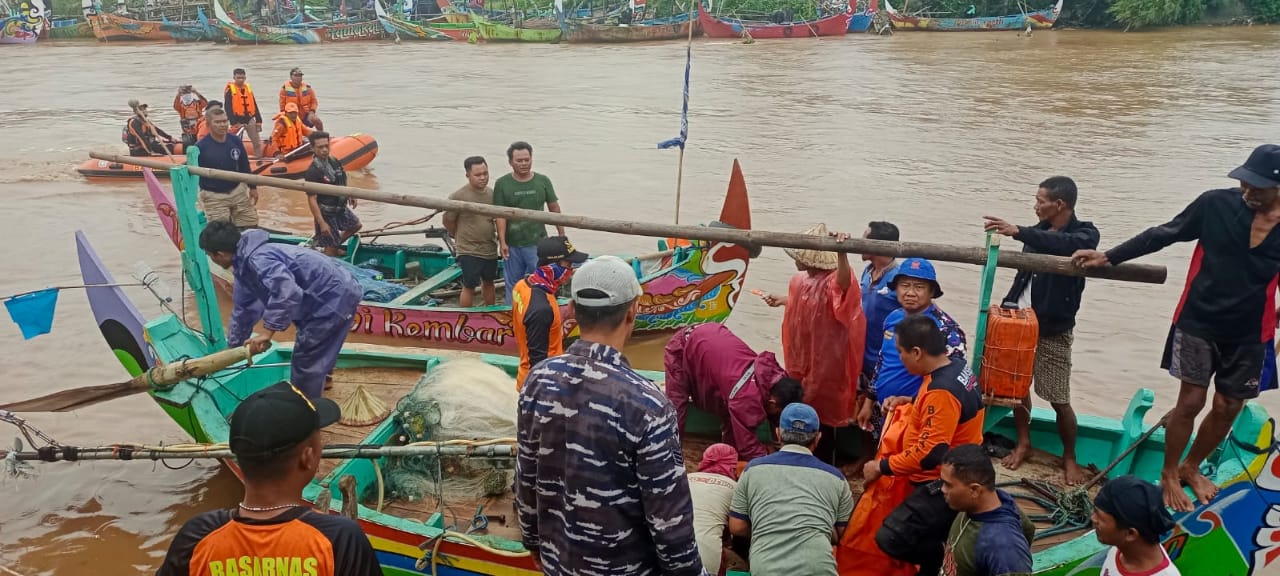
{"x": 288, "y": 134}
{"x": 242, "y": 103}
{"x": 304, "y": 97}
{"x": 524, "y": 296}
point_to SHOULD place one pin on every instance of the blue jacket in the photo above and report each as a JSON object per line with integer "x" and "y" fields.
{"x": 1003, "y": 540}
{"x": 282, "y": 285}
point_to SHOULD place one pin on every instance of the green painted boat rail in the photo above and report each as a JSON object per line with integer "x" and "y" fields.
{"x": 195, "y": 263}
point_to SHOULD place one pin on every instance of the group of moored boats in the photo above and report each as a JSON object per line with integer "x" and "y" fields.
{"x": 457, "y": 22}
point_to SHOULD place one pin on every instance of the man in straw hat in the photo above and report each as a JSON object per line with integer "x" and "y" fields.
{"x": 1224, "y": 323}
{"x": 824, "y": 336}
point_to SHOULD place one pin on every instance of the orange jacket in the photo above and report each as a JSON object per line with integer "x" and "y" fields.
{"x": 947, "y": 412}
{"x": 241, "y": 103}
{"x": 288, "y": 134}
{"x": 202, "y": 128}
{"x": 539, "y": 328}
{"x": 304, "y": 97}
{"x": 192, "y": 111}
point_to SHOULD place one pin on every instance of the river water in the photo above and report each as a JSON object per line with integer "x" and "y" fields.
{"x": 930, "y": 131}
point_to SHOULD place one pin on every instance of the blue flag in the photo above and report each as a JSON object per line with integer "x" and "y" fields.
{"x": 33, "y": 313}
{"x": 679, "y": 141}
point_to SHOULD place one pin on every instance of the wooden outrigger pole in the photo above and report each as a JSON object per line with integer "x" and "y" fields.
{"x": 684, "y": 113}
{"x": 1042, "y": 263}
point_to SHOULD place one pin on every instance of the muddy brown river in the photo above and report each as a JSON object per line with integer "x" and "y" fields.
{"x": 930, "y": 131}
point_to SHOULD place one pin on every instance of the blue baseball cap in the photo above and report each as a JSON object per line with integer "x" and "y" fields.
{"x": 798, "y": 417}
{"x": 917, "y": 268}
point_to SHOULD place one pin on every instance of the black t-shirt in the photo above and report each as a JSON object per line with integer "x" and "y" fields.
{"x": 1230, "y": 292}
{"x": 328, "y": 171}
{"x": 298, "y": 541}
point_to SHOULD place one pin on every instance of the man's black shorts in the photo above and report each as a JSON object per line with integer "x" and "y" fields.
{"x": 476, "y": 269}
{"x": 1237, "y": 370}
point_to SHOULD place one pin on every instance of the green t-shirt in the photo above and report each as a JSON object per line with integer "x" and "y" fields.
{"x": 532, "y": 195}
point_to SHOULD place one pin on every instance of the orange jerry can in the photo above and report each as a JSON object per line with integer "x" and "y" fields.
{"x": 1009, "y": 356}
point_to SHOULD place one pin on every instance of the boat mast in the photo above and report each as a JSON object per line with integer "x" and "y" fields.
{"x": 195, "y": 264}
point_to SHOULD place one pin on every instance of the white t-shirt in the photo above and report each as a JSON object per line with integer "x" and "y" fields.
{"x": 712, "y": 495}
{"x": 1111, "y": 567}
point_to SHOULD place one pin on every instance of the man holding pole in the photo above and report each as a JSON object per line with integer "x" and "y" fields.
{"x": 1055, "y": 299}
{"x": 282, "y": 285}
{"x": 1226, "y": 318}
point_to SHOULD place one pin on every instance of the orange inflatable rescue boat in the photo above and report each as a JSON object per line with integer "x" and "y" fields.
{"x": 354, "y": 152}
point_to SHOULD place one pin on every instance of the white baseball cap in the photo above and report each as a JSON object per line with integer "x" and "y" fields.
{"x": 610, "y": 275}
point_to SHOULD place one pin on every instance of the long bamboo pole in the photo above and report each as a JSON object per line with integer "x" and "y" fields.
{"x": 976, "y": 255}
{"x": 369, "y": 451}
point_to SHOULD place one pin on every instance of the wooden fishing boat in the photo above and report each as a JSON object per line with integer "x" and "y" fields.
{"x": 1039, "y": 20}
{"x": 580, "y": 32}
{"x": 25, "y": 25}
{"x": 497, "y": 32}
{"x": 401, "y": 29}
{"x": 69, "y": 29}
{"x": 1238, "y": 533}
{"x": 236, "y": 32}
{"x": 860, "y": 21}
{"x": 688, "y": 286}
{"x": 717, "y": 27}
{"x": 354, "y": 152}
{"x": 115, "y": 28}
{"x": 459, "y": 32}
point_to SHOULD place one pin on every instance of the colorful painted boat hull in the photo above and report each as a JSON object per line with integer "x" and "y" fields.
{"x": 580, "y": 33}
{"x": 401, "y": 29}
{"x": 1236, "y": 534}
{"x": 861, "y": 21}
{"x": 26, "y": 25}
{"x": 713, "y": 27}
{"x": 495, "y": 32}
{"x": 115, "y": 28}
{"x": 1041, "y": 19}
{"x": 459, "y": 32}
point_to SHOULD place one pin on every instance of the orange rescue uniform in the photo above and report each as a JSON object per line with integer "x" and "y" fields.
{"x": 288, "y": 134}
{"x": 304, "y": 97}
{"x": 539, "y": 328}
{"x": 241, "y": 104}
{"x": 947, "y": 412}
{"x": 189, "y": 115}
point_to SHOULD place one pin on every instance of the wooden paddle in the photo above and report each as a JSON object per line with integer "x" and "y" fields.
{"x": 294, "y": 154}
{"x": 157, "y": 377}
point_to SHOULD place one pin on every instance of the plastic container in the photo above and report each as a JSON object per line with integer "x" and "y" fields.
{"x": 1009, "y": 358}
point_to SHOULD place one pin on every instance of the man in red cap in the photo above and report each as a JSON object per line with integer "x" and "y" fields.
{"x": 1224, "y": 325}
{"x": 275, "y": 437}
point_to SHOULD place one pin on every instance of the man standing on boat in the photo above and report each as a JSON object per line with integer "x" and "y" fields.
{"x": 190, "y": 105}
{"x": 1055, "y": 299}
{"x": 535, "y": 310}
{"x": 712, "y": 368}
{"x": 600, "y": 479}
{"x": 475, "y": 236}
{"x": 295, "y": 91}
{"x": 522, "y": 188}
{"x": 242, "y": 108}
{"x": 281, "y": 285}
{"x": 335, "y": 221}
{"x": 1226, "y": 318}
{"x": 823, "y": 337}
{"x": 226, "y": 200}
{"x": 878, "y": 298}
{"x": 275, "y": 437}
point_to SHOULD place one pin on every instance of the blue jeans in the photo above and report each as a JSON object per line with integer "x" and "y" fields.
{"x": 521, "y": 261}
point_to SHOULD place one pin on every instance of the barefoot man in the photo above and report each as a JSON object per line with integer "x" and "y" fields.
{"x": 1226, "y": 316}
{"x": 1055, "y": 299}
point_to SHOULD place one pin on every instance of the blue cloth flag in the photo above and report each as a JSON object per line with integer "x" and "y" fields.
{"x": 33, "y": 312}
{"x": 678, "y": 141}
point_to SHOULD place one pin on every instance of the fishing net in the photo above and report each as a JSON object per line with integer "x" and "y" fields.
{"x": 462, "y": 399}
{"x": 372, "y": 282}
